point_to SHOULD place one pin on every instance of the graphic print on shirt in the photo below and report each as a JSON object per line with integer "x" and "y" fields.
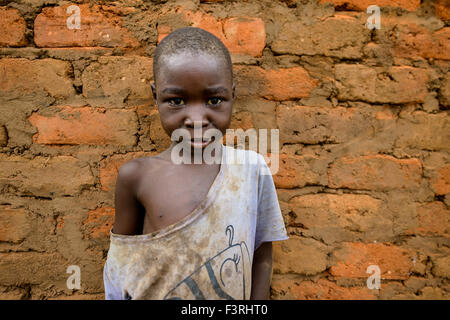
{"x": 225, "y": 273}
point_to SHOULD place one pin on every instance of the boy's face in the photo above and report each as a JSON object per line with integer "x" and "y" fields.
{"x": 194, "y": 89}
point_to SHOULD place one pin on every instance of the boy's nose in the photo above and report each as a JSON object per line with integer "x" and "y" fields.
{"x": 196, "y": 128}
{"x": 198, "y": 118}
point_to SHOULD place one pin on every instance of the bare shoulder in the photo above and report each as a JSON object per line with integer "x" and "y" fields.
{"x": 130, "y": 212}
{"x": 132, "y": 171}
{"x": 129, "y": 172}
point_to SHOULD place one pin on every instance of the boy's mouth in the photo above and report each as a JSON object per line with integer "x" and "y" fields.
{"x": 200, "y": 142}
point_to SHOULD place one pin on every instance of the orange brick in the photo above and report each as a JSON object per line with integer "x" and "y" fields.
{"x": 80, "y": 296}
{"x": 242, "y": 120}
{"x": 375, "y": 172}
{"x": 317, "y": 290}
{"x": 239, "y": 120}
{"x": 288, "y": 83}
{"x": 422, "y": 130}
{"x": 96, "y": 29}
{"x": 433, "y": 220}
{"x": 440, "y": 47}
{"x": 354, "y": 258}
{"x": 296, "y": 171}
{"x": 13, "y": 28}
{"x": 340, "y": 36}
{"x": 275, "y": 84}
{"x": 362, "y": 5}
{"x": 241, "y": 35}
{"x": 334, "y": 218}
{"x": 22, "y": 77}
{"x": 444, "y": 92}
{"x": 3, "y": 136}
{"x": 441, "y": 185}
{"x": 401, "y": 84}
{"x": 13, "y": 294}
{"x": 99, "y": 222}
{"x": 13, "y": 224}
{"x": 412, "y": 41}
{"x": 163, "y": 31}
{"x": 117, "y": 81}
{"x": 40, "y": 268}
{"x": 441, "y": 266}
{"x": 442, "y": 9}
{"x": 313, "y": 125}
{"x": 204, "y": 21}
{"x": 45, "y": 176}
{"x": 299, "y": 255}
{"x": 86, "y": 125}
{"x": 59, "y": 223}
{"x": 245, "y": 35}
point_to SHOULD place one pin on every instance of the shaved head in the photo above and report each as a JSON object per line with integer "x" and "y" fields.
{"x": 194, "y": 41}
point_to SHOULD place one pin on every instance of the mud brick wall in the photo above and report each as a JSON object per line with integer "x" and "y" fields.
{"x": 363, "y": 116}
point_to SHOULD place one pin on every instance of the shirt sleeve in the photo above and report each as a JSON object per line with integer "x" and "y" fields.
{"x": 270, "y": 225}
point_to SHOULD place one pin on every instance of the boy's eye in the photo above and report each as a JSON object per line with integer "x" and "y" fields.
{"x": 214, "y": 101}
{"x": 176, "y": 101}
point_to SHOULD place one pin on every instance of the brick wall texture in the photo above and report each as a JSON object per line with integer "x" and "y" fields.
{"x": 363, "y": 117}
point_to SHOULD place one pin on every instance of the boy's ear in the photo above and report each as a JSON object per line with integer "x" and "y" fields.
{"x": 153, "y": 86}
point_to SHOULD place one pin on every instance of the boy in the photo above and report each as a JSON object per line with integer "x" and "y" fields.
{"x": 193, "y": 231}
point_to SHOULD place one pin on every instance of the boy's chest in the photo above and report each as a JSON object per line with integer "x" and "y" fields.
{"x": 171, "y": 193}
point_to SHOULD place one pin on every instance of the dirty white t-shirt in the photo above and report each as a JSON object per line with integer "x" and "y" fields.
{"x": 209, "y": 253}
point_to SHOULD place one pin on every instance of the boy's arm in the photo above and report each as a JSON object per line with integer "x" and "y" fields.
{"x": 129, "y": 215}
{"x": 262, "y": 272}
